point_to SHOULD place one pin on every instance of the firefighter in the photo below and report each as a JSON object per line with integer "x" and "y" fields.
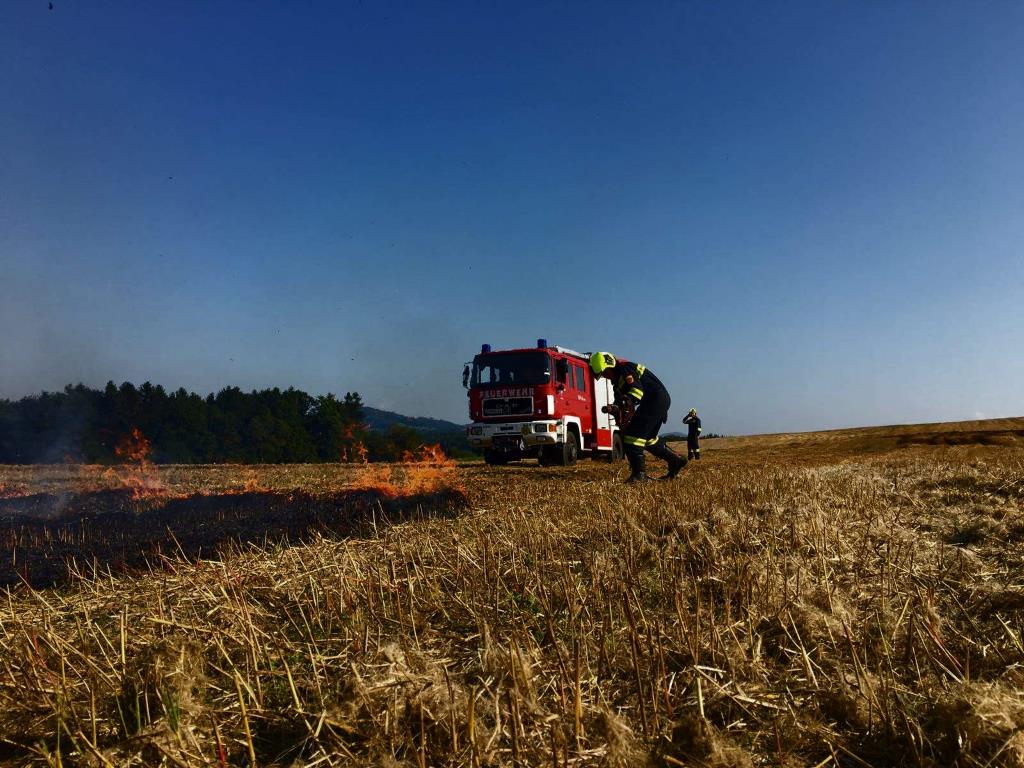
{"x": 637, "y": 388}
{"x": 693, "y": 434}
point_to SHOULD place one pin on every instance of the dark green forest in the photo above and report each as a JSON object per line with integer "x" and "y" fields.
{"x": 81, "y": 424}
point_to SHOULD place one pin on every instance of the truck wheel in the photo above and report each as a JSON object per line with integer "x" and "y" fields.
{"x": 570, "y": 449}
{"x": 494, "y": 459}
{"x": 618, "y": 452}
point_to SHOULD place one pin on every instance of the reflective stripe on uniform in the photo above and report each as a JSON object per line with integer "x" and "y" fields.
{"x": 635, "y": 392}
{"x": 640, "y": 370}
{"x": 641, "y": 442}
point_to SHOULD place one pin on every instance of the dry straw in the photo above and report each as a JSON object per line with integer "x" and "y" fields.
{"x": 827, "y": 601}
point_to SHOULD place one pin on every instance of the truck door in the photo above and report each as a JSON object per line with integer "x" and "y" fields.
{"x": 582, "y": 401}
{"x": 575, "y": 396}
{"x": 563, "y": 388}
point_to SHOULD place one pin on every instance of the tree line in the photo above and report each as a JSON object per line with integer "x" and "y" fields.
{"x": 81, "y": 424}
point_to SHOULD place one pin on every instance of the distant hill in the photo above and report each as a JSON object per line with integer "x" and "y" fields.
{"x": 379, "y": 421}
{"x": 974, "y": 435}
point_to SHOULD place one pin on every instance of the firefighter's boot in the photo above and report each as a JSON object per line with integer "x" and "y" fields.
{"x": 637, "y": 465}
{"x": 674, "y": 460}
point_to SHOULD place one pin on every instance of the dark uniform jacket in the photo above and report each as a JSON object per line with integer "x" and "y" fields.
{"x": 694, "y": 424}
{"x": 636, "y": 388}
{"x": 634, "y": 381}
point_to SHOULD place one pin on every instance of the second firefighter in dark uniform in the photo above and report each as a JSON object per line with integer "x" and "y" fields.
{"x": 640, "y": 392}
{"x": 692, "y": 421}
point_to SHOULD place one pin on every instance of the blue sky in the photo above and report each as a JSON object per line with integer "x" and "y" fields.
{"x": 800, "y": 215}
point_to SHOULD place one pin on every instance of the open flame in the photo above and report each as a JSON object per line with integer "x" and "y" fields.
{"x": 378, "y": 478}
{"x": 352, "y": 448}
{"x": 426, "y": 471}
{"x": 422, "y": 472}
{"x": 252, "y": 483}
{"x": 133, "y": 447}
{"x": 430, "y": 471}
{"x": 10, "y": 492}
{"x": 136, "y": 473}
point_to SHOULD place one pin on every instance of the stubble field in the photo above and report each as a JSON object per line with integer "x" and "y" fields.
{"x": 841, "y": 598}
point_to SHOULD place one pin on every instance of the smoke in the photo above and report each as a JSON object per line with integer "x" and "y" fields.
{"x": 44, "y": 346}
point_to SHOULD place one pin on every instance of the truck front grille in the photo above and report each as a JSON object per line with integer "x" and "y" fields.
{"x": 508, "y": 406}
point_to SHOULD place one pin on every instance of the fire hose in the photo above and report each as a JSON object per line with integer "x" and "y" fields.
{"x": 622, "y": 412}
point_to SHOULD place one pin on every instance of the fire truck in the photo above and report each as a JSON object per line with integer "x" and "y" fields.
{"x": 539, "y": 402}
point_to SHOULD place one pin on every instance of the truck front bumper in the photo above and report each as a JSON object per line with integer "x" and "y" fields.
{"x": 523, "y": 433}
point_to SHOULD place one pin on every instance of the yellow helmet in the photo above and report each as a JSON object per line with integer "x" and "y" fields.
{"x": 601, "y": 361}
{"x": 693, "y": 411}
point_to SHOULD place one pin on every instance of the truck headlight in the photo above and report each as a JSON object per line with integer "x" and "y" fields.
{"x": 540, "y": 427}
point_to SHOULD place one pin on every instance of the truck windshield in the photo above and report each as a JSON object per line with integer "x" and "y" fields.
{"x": 520, "y": 368}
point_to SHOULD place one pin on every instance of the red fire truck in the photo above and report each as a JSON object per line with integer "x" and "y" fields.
{"x": 538, "y": 402}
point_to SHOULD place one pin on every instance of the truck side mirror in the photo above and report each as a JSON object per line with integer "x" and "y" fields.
{"x": 465, "y": 376}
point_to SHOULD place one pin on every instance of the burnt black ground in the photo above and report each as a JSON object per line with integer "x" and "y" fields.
{"x": 46, "y": 537}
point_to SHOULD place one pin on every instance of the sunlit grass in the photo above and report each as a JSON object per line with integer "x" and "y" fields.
{"x": 822, "y": 602}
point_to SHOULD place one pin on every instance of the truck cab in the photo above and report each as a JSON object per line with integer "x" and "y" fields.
{"x": 538, "y": 402}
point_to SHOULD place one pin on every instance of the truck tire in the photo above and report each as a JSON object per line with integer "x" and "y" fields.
{"x": 617, "y": 452}
{"x": 494, "y": 459}
{"x": 550, "y": 455}
{"x": 570, "y": 449}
